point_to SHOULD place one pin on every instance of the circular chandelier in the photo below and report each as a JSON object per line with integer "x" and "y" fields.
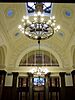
{"x": 38, "y": 26}
{"x": 39, "y": 71}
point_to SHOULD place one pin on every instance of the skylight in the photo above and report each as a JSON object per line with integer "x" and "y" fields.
{"x": 47, "y": 7}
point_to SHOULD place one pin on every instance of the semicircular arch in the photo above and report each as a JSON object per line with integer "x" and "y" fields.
{"x": 41, "y": 48}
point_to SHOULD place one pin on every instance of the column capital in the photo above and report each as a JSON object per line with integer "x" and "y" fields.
{"x": 30, "y": 74}
{"x": 15, "y": 73}
{"x": 73, "y": 72}
{"x": 62, "y": 73}
{"x": 3, "y": 72}
{"x": 48, "y": 74}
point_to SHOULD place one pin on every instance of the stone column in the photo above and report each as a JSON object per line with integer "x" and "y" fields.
{"x": 73, "y": 77}
{"x": 62, "y": 75}
{"x": 14, "y": 86}
{"x": 30, "y": 76}
{"x": 15, "y": 75}
{"x": 47, "y": 86}
{"x": 2, "y": 81}
{"x": 62, "y": 92}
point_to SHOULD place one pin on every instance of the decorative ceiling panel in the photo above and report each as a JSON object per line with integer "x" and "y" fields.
{"x": 11, "y": 15}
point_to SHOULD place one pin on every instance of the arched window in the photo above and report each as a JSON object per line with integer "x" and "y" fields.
{"x": 42, "y": 58}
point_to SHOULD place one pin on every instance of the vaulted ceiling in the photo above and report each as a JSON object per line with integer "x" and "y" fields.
{"x": 61, "y": 42}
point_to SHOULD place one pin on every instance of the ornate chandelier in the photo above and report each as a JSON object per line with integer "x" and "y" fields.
{"x": 38, "y": 26}
{"x": 39, "y": 71}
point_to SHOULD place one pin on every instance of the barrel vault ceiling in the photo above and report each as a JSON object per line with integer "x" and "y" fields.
{"x": 15, "y": 41}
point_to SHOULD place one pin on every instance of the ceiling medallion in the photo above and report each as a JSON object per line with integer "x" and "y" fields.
{"x": 68, "y": 13}
{"x": 10, "y": 12}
